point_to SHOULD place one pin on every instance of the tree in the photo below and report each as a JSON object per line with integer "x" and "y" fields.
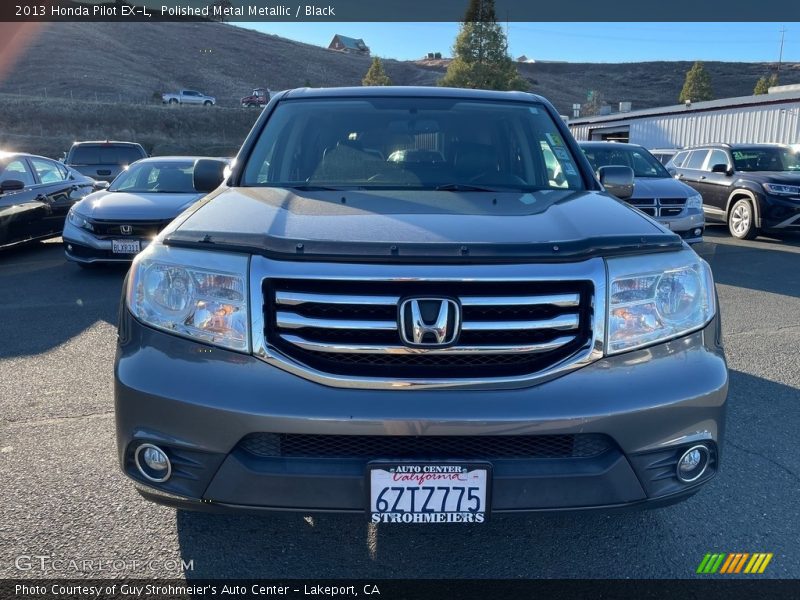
{"x": 697, "y": 86}
{"x": 764, "y": 83}
{"x": 480, "y": 54}
{"x": 376, "y": 75}
{"x": 594, "y": 102}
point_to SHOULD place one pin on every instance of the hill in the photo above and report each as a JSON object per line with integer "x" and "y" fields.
{"x": 65, "y": 81}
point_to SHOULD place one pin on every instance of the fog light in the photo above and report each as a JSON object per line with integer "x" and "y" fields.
{"x": 692, "y": 463}
{"x": 69, "y": 247}
{"x": 153, "y": 463}
{"x": 697, "y": 232}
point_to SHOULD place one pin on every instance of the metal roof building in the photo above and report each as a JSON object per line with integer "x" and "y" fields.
{"x": 773, "y": 117}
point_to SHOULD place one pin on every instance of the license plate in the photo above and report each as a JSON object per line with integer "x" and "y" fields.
{"x": 125, "y": 246}
{"x": 428, "y": 492}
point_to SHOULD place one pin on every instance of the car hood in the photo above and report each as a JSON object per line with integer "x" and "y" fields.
{"x": 408, "y": 225}
{"x": 660, "y": 187}
{"x": 105, "y": 205}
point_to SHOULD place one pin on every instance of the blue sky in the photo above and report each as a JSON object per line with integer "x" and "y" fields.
{"x": 574, "y": 42}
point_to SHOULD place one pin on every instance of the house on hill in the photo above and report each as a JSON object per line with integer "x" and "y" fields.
{"x": 343, "y": 43}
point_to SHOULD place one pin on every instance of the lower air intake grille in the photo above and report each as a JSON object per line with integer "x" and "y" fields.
{"x": 275, "y": 445}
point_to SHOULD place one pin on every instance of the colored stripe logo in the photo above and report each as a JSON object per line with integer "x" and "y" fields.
{"x": 735, "y": 562}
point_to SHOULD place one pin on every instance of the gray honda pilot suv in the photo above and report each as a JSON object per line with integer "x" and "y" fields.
{"x": 393, "y": 307}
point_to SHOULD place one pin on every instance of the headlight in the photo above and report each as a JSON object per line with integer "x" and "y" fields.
{"x": 657, "y": 297}
{"x": 694, "y": 201}
{"x": 79, "y": 220}
{"x": 782, "y": 190}
{"x": 200, "y": 295}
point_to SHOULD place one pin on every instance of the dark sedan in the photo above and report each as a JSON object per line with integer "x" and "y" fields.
{"x": 36, "y": 194}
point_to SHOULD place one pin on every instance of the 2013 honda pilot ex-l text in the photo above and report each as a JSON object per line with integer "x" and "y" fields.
{"x": 392, "y": 306}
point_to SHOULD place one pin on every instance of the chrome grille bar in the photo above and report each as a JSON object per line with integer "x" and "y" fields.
{"x": 297, "y": 298}
{"x": 287, "y": 320}
{"x": 560, "y": 300}
{"x": 561, "y": 323}
{"x": 392, "y": 349}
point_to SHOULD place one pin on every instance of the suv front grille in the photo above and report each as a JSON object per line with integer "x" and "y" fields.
{"x": 370, "y": 447}
{"x": 352, "y": 327}
{"x": 659, "y": 207}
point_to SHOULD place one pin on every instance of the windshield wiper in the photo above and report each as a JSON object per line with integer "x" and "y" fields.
{"x": 468, "y": 187}
{"x": 309, "y": 187}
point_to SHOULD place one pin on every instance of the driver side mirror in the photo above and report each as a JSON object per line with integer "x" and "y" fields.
{"x": 617, "y": 180}
{"x": 101, "y": 185}
{"x": 11, "y": 185}
{"x": 722, "y": 168}
{"x": 208, "y": 174}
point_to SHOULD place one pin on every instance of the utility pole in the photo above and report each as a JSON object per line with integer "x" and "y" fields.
{"x": 780, "y": 53}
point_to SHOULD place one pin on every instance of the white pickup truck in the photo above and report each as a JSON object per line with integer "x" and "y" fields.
{"x": 188, "y": 97}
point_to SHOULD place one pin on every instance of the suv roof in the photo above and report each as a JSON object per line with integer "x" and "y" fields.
{"x": 736, "y": 146}
{"x": 105, "y": 143}
{"x": 409, "y": 92}
{"x": 586, "y": 144}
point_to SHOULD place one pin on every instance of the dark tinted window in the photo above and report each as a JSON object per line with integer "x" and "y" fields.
{"x": 696, "y": 159}
{"x": 640, "y": 160}
{"x": 168, "y": 177}
{"x": 104, "y": 155}
{"x": 17, "y": 170}
{"x": 718, "y": 157}
{"x": 412, "y": 143}
{"x": 766, "y": 159}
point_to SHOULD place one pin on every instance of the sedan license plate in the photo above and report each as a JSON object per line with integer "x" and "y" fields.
{"x": 125, "y": 246}
{"x": 428, "y": 492}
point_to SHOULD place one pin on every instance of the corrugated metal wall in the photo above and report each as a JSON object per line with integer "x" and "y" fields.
{"x": 756, "y": 124}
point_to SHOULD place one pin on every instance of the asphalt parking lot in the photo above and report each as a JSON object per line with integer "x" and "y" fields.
{"x": 63, "y": 497}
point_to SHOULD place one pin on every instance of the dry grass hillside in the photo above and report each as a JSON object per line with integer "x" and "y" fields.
{"x": 103, "y": 80}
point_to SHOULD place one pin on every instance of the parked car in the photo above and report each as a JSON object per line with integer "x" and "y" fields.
{"x": 35, "y": 195}
{"x": 116, "y": 224}
{"x": 670, "y": 202}
{"x": 417, "y": 341}
{"x": 188, "y": 97}
{"x": 664, "y": 155}
{"x": 751, "y": 187}
{"x": 259, "y": 97}
{"x": 103, "y": 160}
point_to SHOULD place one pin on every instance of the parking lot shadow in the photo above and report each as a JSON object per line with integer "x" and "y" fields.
{"x": 765, "y": 264}
{"x": 46, "y": 301}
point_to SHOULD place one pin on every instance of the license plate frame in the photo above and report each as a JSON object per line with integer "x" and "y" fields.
{"x": 121, "y": 246}
{"x": 408, "y": 468}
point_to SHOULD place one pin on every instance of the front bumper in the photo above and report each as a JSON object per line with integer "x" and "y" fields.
{"x": 81, "y": 246}
{"x": 780, "y": 213}
{"x": 199, "y": 402}
{"x": 685, "y": 225}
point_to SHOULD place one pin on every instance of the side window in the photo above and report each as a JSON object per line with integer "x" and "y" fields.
{"x": 696, "y": 159}
{"x": 17, "y": 169}
{"x": 679, "y": 159}
{"x": 47, "y": 171}
{"x": 718, "y": 157}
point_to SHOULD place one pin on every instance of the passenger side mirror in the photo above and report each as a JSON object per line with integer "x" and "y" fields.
{"x": 722, "y": 168}
{"x": 208, "y": 174}
{"x": 11, "y": 185}
{"x": 100, "y": 185}
{"x": 617, "y": 180}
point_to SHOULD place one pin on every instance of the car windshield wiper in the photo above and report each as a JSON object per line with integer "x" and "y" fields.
{"x": 310, "y": 187}
{"x": 468, "y": 187}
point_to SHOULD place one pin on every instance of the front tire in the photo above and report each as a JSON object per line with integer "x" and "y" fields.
{"x": 741, "y": 220}
{"x": 207, "y": 103}
{"x": 173, "y": 101}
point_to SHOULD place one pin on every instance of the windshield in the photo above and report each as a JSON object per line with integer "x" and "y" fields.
{"x": 105, "y": 155}
{"x": 168, "y": 177}
{"x": 640, "y": 160}
{"x": 412, "y": 143}
{"x": 766, "y": 159}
